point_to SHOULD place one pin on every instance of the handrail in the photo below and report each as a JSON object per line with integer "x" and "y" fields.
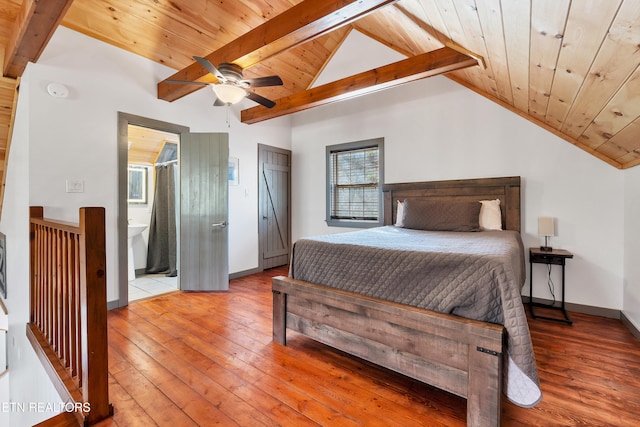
{"x": 68, "y": 311}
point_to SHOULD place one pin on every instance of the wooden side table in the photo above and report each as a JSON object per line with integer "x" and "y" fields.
{"x": 554, "y": 257}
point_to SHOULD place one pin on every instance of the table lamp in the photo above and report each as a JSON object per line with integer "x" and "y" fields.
{"x": 546, "y": 228}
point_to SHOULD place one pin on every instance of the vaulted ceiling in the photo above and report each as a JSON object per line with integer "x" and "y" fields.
{"x": 571, "y": 67}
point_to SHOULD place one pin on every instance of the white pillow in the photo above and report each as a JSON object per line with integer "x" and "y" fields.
{"x": 400, "y": 214}
{"x": 490, "y": 215}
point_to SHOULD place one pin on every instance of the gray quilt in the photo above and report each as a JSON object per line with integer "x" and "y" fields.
{"x": 477, "y": 275}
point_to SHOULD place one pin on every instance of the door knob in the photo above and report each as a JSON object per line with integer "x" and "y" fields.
{"x": 219, "y": 224}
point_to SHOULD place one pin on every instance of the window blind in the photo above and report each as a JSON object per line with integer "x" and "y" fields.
{"x": 354, "y": 184}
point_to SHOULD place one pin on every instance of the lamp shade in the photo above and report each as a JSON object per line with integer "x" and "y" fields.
{"x": 546, "y": 226}
{"x": 229, "y": 94}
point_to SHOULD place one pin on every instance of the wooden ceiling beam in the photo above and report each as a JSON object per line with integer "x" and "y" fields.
{"x": 417, "y": 67}
{"x": 32, "y": 29}
{"x": 303, "y": 22}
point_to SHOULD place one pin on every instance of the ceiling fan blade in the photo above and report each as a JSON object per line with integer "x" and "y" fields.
{"x": 210, "y": 68}
{"x": 264, "y": 81}
{"x": 185, "y": 82}
{"x": 260, "y": 99}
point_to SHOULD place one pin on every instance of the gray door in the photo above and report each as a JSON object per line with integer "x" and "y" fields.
{"x": 275, "y": 211}
{"x": 204, "y": 200}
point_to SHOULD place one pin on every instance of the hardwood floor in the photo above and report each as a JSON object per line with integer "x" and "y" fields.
{"x": 186, "y": 359}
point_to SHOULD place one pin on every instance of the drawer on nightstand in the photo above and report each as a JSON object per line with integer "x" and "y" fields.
{"x": 547, "y": 259}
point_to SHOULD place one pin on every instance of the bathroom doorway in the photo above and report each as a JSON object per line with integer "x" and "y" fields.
{"x": 152, "y": 212}
{"x": 144, "y": 145}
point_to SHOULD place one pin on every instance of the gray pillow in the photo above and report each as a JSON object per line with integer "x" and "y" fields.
{"x": 439, "y": 215}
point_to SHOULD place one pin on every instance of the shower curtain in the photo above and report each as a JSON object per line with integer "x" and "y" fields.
{"x": 162, "y": 250}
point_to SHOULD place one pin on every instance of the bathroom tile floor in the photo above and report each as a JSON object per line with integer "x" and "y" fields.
{"x": 150, "y": 285}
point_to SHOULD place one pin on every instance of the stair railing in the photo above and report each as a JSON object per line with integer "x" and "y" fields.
{"x": 68, "y": 315}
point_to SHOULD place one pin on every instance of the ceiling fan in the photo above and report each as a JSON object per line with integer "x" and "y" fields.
{"x": 231, "y": 87}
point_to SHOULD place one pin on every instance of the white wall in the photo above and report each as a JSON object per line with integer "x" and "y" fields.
{"x": 632, "y": 246}
{"x": 77, "y": 137}
{"x": 4, "y": 379}
{"x": 27, "y": 381}
{"x": 435, "y": 129}
{"x": 357, "y": 53}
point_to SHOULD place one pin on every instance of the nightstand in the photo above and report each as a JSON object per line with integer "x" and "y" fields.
{"x": 553, "y": 257}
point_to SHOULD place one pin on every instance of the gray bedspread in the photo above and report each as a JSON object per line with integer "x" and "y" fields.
{"x": 477, "y": 275}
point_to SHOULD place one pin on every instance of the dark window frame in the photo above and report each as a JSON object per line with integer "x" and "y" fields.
{"x": 331, "y": 219}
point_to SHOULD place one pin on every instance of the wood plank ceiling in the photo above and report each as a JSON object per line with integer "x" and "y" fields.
{"x": 145, "y": 144}
{"x": 571, "y": 67}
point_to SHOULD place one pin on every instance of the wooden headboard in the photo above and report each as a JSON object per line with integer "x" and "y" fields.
{"x": 507, "y": 189}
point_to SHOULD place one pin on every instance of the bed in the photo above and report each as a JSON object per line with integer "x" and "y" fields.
{"x": 467, "y": 334}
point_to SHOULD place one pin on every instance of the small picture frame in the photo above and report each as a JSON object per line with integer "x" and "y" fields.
{"x": 234, "y": 178}
{"x": 3, "y": 265}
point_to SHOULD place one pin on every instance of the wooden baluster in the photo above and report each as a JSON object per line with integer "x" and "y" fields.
{"x": 52, "y": 288}
{"x": 64, "y": 250}
{"x": 36, "y": 273}
{"x": 36, "y": 267}
{"x": 40, "y": 279}
{"x": 55, "y": 287}
{"x": 61, "y": 294}
{"x": 49, "y": 286}
{"x": 43, "y": 278}
{"x": 75, "y": 311}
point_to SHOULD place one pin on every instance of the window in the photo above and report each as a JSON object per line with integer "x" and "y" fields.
{"x": 354, "y": 177}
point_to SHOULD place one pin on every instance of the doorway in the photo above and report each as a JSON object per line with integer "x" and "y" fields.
{"x": 152, "y": 212}
{"x": 125, "y": 123}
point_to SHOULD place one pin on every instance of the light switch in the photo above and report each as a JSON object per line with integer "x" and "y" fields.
{"x": 75, "y": 186}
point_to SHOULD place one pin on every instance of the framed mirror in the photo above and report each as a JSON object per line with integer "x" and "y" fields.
{"x": 137, "y": 184}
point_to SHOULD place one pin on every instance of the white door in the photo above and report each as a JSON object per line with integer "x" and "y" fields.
{"x": 204, "y": 210}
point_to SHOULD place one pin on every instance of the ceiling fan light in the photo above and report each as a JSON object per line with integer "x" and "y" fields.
{"x": 229, "y": 94}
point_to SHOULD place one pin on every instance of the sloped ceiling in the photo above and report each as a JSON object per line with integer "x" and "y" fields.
{"x": 146, "y": 144}
{"x": 571, "y": 67}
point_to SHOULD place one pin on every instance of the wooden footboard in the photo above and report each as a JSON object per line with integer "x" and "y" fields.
{"x": 455, "y": 354}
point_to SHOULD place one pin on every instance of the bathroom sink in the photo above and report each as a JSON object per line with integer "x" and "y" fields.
{"x": 135, "y": 229}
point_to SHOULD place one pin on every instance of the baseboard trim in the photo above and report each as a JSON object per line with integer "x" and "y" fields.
{"x": 239, "y": 274}
{"x": 629, "y": 324}
{"x": 594, "y": 311}
{"x": 580, "y": 308}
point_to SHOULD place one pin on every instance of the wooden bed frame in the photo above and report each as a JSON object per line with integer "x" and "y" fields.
{"x": 455, "y": 354}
